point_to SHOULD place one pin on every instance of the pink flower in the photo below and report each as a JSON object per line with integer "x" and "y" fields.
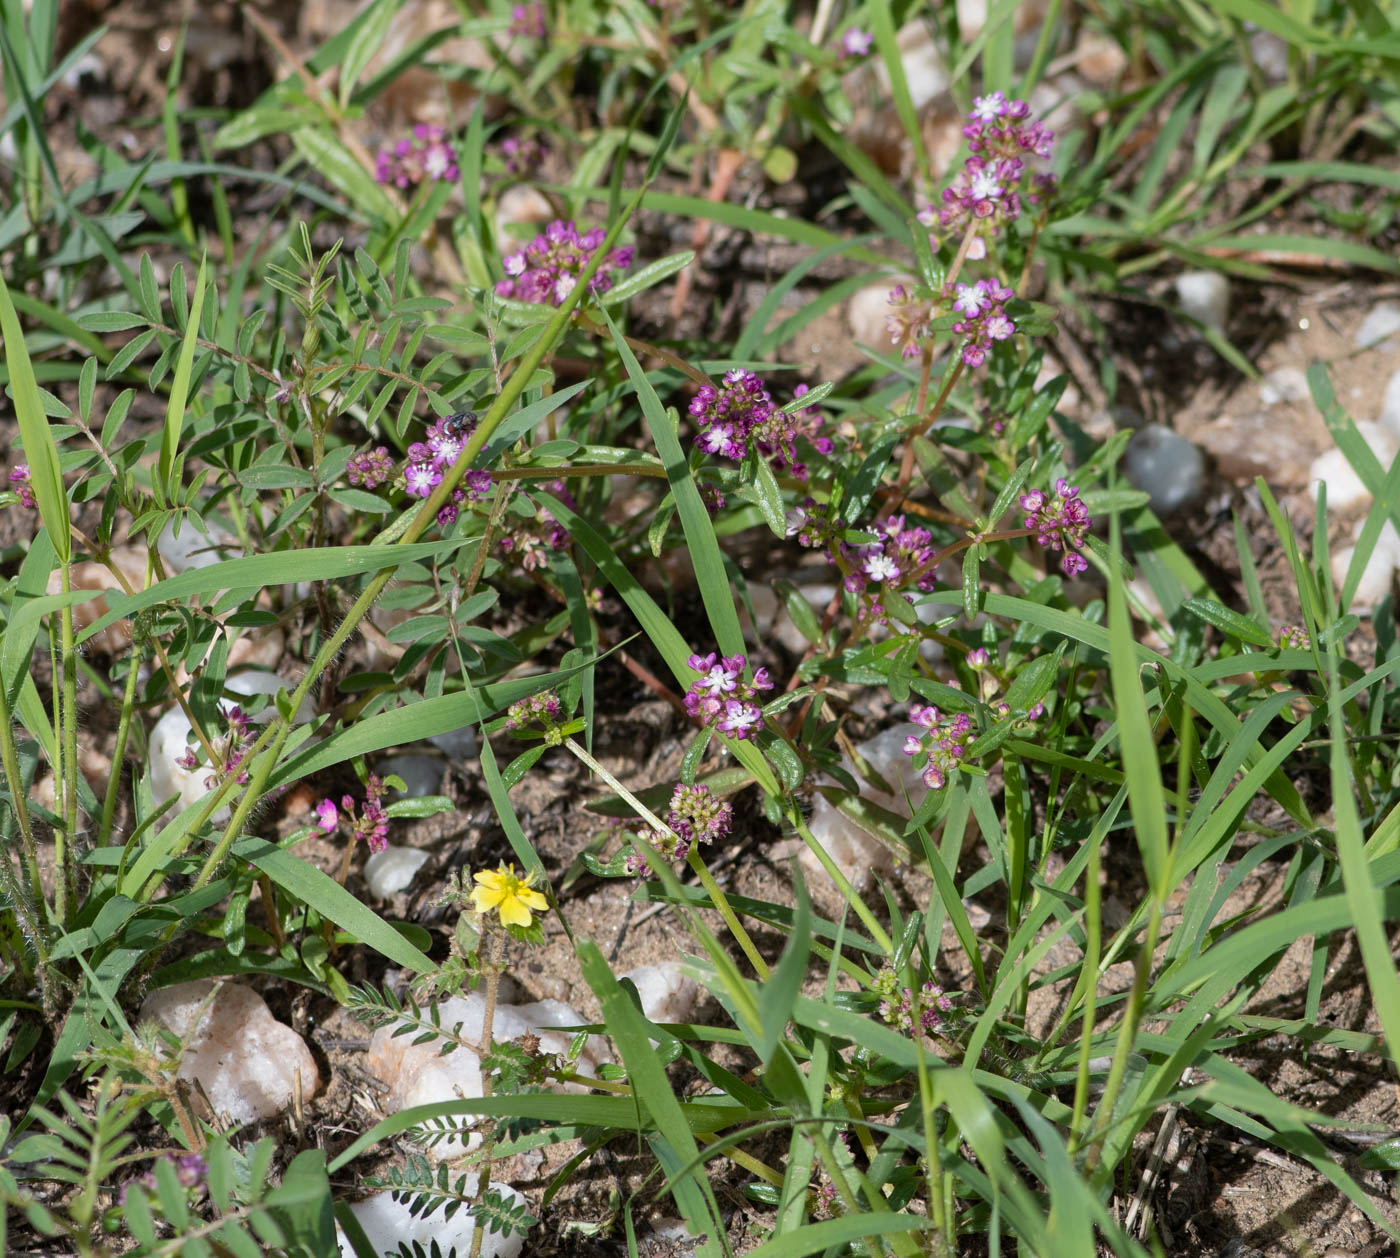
{"x": 855, "y": 42}
{"x": 327, "y": 818}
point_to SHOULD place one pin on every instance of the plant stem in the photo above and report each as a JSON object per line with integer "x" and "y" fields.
{"x": 65, "y": 901}
{"x": 488, "y": 1018}
{"x": 712, "y": 888}
{"x": 843, "y": 884}
{"x": 109, "y": 800}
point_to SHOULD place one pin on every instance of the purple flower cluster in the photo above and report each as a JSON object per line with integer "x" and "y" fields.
{"x": 986, "y": 194}
{"x": 696, "y": 816}
{"x": 545, "y": 271}
{"x": 1294, "y": 637}
{"x": 371, "y": 823}
{"x": 891, "y": 561}
{"x": 527, "y": 21}
{"x": 22, "y": 485}
{"x": 523, "y": 154}
{"x": 908, "y": 321}
{"x": 538, "y": 711}
{"x": 1059, "y": 523}
{"x": 854, "y": 42}
{"x": 532, "y": 541}
{"x": 430, "y": 459}
{"x": 740, "y": 416}
{"x": 983, "y": 318}
{"x": 370, "y": 468}
{"x": 231, "y": 752}
{"x": 190, "y": 1170}
{"x": 945, "y": 743}
{"x": 428, "y": 155}
{"x": 909, "y": 1010}
{"x": 721, "y": 698}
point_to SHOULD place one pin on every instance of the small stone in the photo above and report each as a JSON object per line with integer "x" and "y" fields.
{"x": 924, "y": 69}
{"x": 666, "y": 993}
{"x": 189, "y": 547}
{"x": 868, "y": 309}
{"x": 388, "y": 1224}
{"x": 1256, "y": 444}
{"x": 1389, "y": 418}
{"x": 858, "y": 854}
{"x": 246, "y": 1061}
{"x": 521, "y": 203}
{"x": 171, "y": 737}
{"x": 91, "y": 575}
{"x": 391, "y": 870}
{"x": 1205, "y": 297}
{"x": 1100, "y": 59}
{"x": 1331, "y": 468}
{"x": 418, "y": 1074}
{"x": 1382, "y": 322}
{"x": 1166, "y": 466}
{"x": 1375, "y": 580}
{"x": 422, "y": 775}
{"x": 1270, "y": 54}
{"x": 459, "y": 745}
{"x": 1284, "y": 384}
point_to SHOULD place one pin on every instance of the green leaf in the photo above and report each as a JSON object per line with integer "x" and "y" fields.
{"x": 779, "y": 994}
{"x": 367, "y": 40}
{"x": 40, "y": 449}
{"x": 166, "y": 480}
{"x": 1228, "y": 621}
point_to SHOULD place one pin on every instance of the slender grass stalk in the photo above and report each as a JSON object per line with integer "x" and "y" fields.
{"x": 843, "y": 884}
{"x": 109, "y": 799}
{"x": 1093, "y": 944}
{"x": 488, "y": 1019}
{"x": 712, "y": 888}
{"x": 66, "y": 773}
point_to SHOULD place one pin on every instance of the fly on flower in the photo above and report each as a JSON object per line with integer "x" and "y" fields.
{"x": 461, "y": 424}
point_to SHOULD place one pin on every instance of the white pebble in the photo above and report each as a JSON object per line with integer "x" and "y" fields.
{"x": 1344, "y": 486}
{"x": 391, "y": 870}
{"x": 192, "y": 548}
{"x": 457, "y": 744}
{"x": 858, "y": 854}
{"x": 666, "y": 993}
{"x": 1375, "y": 580}
{"x": 420, "y": 1075}
{"x": 1389, "y": 418}
{"x": 1284, "y": 384}
{"x": 170, "y": 740}
{"x": 1270, "y": 54}
{"x": 1168, "y": 467}
{"x": 520, "y": 203}
{"x": 1380, "y": 324}
{"x": 1205, "y": 297}
{"x": 245, "y": 1060}
{"x": 868, "y": 309}
{"x": 924, "y": 70}
{"x": 422, "y": 775}
{"x": 387, "y": 1223}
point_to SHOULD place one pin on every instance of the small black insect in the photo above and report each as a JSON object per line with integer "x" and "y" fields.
{"x": 460, "y": 425}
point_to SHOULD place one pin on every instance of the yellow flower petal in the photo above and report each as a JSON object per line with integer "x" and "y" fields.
{"x": 513, "y": 913}
{"x": 532, "y": 899}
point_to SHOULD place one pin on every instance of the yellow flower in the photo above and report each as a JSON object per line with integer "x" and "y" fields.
{"x": 514, "y": 898}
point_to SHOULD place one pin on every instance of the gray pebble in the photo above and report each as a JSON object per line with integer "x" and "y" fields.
{"x": 1165, "y": 466}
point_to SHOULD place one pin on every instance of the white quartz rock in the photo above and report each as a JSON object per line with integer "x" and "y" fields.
{"x": 1205, "y": 296}
{"x": 387, "y": 1222}
{"x": 868, "y": 312}
{"x": 1284, "y": 384}
{"x": 170, "y": 738}
{"x": 246, "y": 1061}
{"x": 667, "y": 994}
{"x": 192, "y": 548}
{"x": 1167, "y": 466}
{"x": 925, "y": 72}
{"x": 420, "y": 1075}
{"x": 422, "y": 775}
{"x": 859, "y": 855}
{"x": 1389, "y": 418}
{"x": 392, "y": 870}
{"x": 1382, "y": 322}
{"x": 1344, "y": 486}
{"x": 1379, "y": 571}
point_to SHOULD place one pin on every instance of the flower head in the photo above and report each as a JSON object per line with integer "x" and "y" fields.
{"x": 21, "y": 484}
{"x": 1059, "y": 523}
{"x": 527, "y": 21}
{"x": 327, "y": 818}
{"x": 545, "y": 271}
{"x": 855, "y": 43}
{"x": 513, "y": 897}
{"x": 426, "y": 155}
